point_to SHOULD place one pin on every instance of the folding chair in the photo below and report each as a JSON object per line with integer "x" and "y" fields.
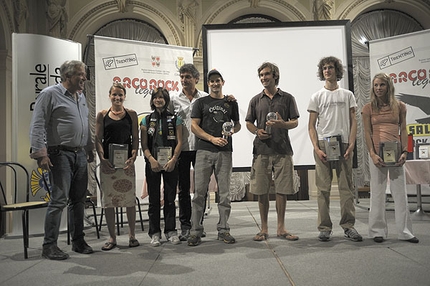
{"x": 19, "y": 171}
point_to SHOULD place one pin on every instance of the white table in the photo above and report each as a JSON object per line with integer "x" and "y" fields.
{"x": 417, "y": 173}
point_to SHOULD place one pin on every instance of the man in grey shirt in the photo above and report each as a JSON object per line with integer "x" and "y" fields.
{"x": 61, "y": 144}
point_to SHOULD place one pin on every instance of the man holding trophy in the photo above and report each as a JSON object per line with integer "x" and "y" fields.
{"x": 332, "y": 129}
{"x": 275, "y": 112}
{"x": 214, "y": 121}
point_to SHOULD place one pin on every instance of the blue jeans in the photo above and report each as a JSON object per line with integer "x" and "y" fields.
{"x": 219, "y": 163}
{"x": 69, "y": 181}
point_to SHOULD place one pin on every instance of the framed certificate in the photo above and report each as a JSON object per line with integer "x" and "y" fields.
{"x": 164, "y": 154}
{"x": 333, "y": 147}
{"x": 423, "y": 151}
{"x": 389, "y": 152}
{"x": 118, "y": 154}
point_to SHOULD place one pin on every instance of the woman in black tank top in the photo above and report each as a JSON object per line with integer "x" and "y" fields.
{"x": 118, "y": 125}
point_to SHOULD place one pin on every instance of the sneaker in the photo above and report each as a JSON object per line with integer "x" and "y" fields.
{"x": 185, "y": 233}
{"x": 226, "y": 237}
{"x": 194, "y": 240}
{"x": 352, "y": 234}
{"x": 203, "y": 233}
{"x": 80, "y": 246}
{"x": 324, "y": 235}
{"x": 155, "y": 241}
{"x": 51, "y": 251}
{"x": 174, "y": 239}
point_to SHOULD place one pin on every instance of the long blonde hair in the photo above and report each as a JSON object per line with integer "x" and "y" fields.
{"x": 392, "y": 101}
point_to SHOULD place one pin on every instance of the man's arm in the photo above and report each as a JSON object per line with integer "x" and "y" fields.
{"x": 200, "y": 133}
{"x": 39, "y": 121}
{"x": 313, "y": 135}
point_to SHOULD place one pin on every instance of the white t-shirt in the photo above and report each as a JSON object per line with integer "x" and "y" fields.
{"x": 182, "y": 106}
{"x": 333, "y": 108}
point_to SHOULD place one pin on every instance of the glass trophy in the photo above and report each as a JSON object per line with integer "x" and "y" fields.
{"x": 164, "y": 154}
{"x": 389, "y": 152}
{"x": 227, "y": 128}
{"x": 333, "y": 147}
{"x": 118, "y": 154}
{"x": 270, "y": 116}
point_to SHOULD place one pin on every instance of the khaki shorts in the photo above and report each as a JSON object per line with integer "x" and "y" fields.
{"x": 272, "y": 171}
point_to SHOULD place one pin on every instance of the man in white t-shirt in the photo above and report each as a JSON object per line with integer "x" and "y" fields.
{"x": 332, "y": 123}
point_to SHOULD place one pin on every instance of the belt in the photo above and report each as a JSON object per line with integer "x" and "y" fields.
{"x": 65, "y": 148}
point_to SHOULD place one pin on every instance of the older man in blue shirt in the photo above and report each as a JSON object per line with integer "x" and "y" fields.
{"x": 61, "y": 144}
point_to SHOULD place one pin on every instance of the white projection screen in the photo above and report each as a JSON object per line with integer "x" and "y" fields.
{"x": 237, "y": 50}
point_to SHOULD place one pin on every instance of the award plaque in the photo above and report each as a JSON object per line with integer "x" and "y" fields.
{"x": 164, "y": 154}
{"x": 389, "y": 152}
{"x": 118, "y": 154}
{"x": 333, "y": 147}
{"x": 423, "y": 151}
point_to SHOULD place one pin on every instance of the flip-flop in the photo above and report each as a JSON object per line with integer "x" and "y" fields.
{"x": 133, "y": 242}
{"x": 108, "y": 246}
{"x": 261, "y": 236}
{"x": 288, "y": 236}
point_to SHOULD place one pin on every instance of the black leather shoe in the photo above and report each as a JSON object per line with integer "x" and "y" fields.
{"x": 413, "y": 240}
{"x": 51, "y": 251}
{"x": 81, "y": 246}
{"x": 378, "y": 239}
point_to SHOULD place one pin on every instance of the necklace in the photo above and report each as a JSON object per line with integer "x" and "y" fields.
{"x": 117, "y": 112}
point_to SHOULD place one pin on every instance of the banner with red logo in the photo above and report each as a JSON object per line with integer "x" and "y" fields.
{"x": 36, "y": 60}
{"x": 140, "y": 67}
{"x": 406, "y": 58}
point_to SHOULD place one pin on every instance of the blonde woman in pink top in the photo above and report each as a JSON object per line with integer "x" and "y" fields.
{"x": 384, "y": 120}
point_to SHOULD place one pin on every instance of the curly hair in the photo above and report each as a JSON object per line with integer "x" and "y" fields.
{"x": 337, "y": 63}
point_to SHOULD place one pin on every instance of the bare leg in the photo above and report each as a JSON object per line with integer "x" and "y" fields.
{"x": 131, "y": 217}
{"x": 110, "y": 221}
{"x": 281, "y": 205}
{"x": 263, "y": 205}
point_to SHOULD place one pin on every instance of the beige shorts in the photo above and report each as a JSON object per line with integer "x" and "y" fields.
{"x": 272, "y": 171}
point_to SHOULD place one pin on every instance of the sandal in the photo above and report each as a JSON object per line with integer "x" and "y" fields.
{"x": 288, "y": 236}
{"x": 261, "y": 236}
{"x": 108, "y": 245}
{"x": 133, "y": 242}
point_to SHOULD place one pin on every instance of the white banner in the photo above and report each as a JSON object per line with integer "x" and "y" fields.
{"x": 140, "y": 67}
{"x": 36, "y": 60}
{"x": 406, "y": 58}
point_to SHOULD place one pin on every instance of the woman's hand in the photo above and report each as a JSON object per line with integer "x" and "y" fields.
{"x": 377, "y": 160}
{"x": 170, "y": 165}
{"x": 155, "y": 166}
{"x": 129, "y": 162}
{"x": 402, "y": 159}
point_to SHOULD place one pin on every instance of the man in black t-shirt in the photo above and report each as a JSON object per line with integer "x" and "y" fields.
{"x": 214, "y": 155}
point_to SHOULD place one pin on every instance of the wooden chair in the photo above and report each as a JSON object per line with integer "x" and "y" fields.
{"x": 19, "y": 190}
